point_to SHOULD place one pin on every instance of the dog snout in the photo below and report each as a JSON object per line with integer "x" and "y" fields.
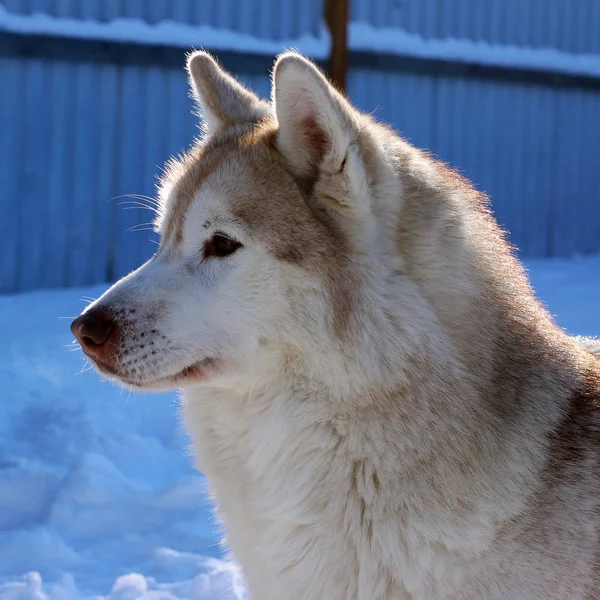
{"x": 96, "y": 331}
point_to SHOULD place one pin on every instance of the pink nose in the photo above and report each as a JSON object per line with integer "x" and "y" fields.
{"x": 96, "y": 332}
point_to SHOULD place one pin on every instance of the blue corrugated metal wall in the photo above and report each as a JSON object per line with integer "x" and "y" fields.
{"x": 80, "y": 129}
{"x": 534, "y": 149}
{"x": 272, "y": 19}
{"x": 570, "y": 25}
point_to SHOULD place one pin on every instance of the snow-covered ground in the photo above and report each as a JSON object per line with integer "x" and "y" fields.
{"x": 98, "y": 495}
{"x": 95, "y": 484}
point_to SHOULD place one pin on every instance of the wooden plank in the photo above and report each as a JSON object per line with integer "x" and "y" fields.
{"x": 336, "y": 17}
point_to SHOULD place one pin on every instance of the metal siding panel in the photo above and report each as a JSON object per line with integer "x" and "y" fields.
{"x": 534, "y": 149}
{"x": 589, "y": 25}
{"x": 57, "y": 246}
{"x": 357, "y": 88}
{"x": 109, "y": 9}
{"x": 36, "y": 6}
{"x": 380, "y": 14}
{"x": 365, "y": 10}
{"x": 504, "y": 133}
{"x": 220, "y": 13}
{"x": 247, "y": 14}
{"x": 462, "y": 19}
{"x": 375, "y": 98}
{"x": 593, "y": 26}
{"x": 465, "y": 116}
{"x": 429, "y": 20}
{"x": 537, "y": 26}
{"x": 485, "y": 133}
{"x": 299, "y": 16}
{"x": 574, "y": 197}
{"x": 395, "y": 17}
{"x": 154, "y": 155}
{"x": 264, "y": 27}
{"x": 568, "y": 25}
{"x": 561, "y": 20}
{"x": 477, "y": 145}
{"x": 443, "y": 143}
{"x": 411, "y": 15}
{"x": 359, "y": 10}
{"x": 182, "y": 124}
{"x": 34, "y": 173}
{"x": 288, "y": 18}
{"x": 479, "y": 16}
{"x": 581, "y": 27}
{"x": 502, "y": 140}
{"x": 12, "y": 123}
{"x": 158, "y": 10}
{"x": 183, "y": 10}
{"x": 525, "y": 25}
{"x": 15, "y": 6}
{"x": 65, "y": 8}
{"x": 129, "y": 175}
{"x": 589, "y": 167}
{"x": 106, "y": 145}
{"x": 90, "y": 9}
{"x": 519, "y": 163}
{"x": 563, "y": 188}
{"x": 133, "y": 9}
{"x": 271, "y": 15}
{"x": 537, "y": 147}
{"x": 200, "y": 13}
{"x": 81, "y": 212}
{"x": 413, "y": 98}
{"x": 541, "y": 136}
{"x": 551, "y": 20}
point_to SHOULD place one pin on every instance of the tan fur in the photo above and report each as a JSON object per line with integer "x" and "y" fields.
{"x": 186, "y": 177}
{"x": 383, "y": 408}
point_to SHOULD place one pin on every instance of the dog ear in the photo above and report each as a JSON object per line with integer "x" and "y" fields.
{"x": 318, "y": 130}
{"x": 222, "y": 99}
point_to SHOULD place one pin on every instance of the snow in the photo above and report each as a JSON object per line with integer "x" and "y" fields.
{"x": 362, "y": 37}
{"x": 164, "y": 33}
{"x": 99, "y": 499}
{"x": 395, "y": 41}
{"x": 98, "y": 494}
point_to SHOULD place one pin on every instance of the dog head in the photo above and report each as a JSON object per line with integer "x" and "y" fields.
{"x": 267, "y": 233}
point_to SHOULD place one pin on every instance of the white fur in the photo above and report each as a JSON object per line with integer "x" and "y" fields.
{"x": 361, "y": 467}
{"x": 221, "y": 99}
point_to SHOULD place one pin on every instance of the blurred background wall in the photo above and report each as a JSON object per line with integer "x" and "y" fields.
{"x": 94, "y": 99}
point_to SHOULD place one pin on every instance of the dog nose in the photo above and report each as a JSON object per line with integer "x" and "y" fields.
{"x": 93, "y": 329}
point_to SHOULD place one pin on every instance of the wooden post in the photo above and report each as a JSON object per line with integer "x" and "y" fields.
{"x": 336, "y": 17}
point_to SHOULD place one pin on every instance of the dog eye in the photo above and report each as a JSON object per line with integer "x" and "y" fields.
{"x": 220, "y": 246}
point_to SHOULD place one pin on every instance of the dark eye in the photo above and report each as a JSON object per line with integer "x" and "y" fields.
{"x": 220, "y": 246}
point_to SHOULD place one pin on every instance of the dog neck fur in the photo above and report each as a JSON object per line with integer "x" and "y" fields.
{"x": 431, "y": 398}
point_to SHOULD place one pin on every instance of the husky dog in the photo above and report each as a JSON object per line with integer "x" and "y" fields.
{"x": 382, "y": 407}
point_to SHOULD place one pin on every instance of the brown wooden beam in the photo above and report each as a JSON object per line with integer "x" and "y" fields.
{"x": 336, "y": 17}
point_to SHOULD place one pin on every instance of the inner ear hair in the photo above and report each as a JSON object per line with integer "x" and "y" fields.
{"x": 222, "y": 100}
